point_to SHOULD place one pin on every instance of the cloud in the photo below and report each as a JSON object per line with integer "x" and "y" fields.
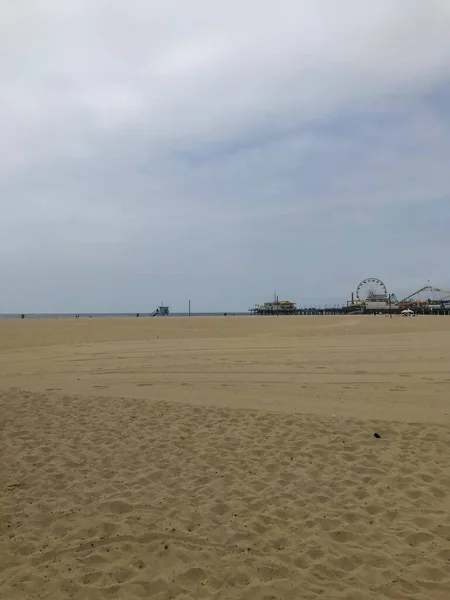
{"x": 218, "y": 150}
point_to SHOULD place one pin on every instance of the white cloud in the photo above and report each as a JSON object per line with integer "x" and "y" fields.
{"x": 214, "y": 133}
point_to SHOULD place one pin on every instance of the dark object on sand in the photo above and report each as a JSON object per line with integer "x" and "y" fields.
{"x": 377, "y": 435}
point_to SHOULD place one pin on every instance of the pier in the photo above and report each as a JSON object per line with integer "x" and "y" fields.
{"x": 370, "y": 298}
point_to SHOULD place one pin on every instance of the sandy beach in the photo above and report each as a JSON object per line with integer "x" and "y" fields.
{"x": 225, "y": 457}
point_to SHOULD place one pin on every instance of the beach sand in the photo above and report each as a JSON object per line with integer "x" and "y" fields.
{"x": 225, "y": 457}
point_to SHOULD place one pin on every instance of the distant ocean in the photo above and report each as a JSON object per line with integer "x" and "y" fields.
{"x": 117, "y": 315}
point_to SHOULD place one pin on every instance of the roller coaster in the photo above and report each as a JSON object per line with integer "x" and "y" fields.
{"x": 427, "y": 288}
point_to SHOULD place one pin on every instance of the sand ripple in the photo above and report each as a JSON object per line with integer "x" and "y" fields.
{"x": 110, "y": 498}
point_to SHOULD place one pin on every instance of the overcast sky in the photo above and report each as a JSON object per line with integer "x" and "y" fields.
{"x": 219, "y": 150}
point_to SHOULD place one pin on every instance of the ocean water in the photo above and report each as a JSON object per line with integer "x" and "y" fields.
{"x": 111, "y": 315}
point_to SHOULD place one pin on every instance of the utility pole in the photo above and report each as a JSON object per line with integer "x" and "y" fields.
{"x": 189, "y": 308}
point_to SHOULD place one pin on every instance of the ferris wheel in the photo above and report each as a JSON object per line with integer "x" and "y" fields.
{"x": 371, "y": 288}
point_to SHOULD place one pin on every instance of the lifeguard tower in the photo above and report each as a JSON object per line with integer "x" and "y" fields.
{"x": 161, "y": 311}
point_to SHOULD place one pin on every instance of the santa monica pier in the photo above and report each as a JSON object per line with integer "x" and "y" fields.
{"x": 371, "y": 296}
